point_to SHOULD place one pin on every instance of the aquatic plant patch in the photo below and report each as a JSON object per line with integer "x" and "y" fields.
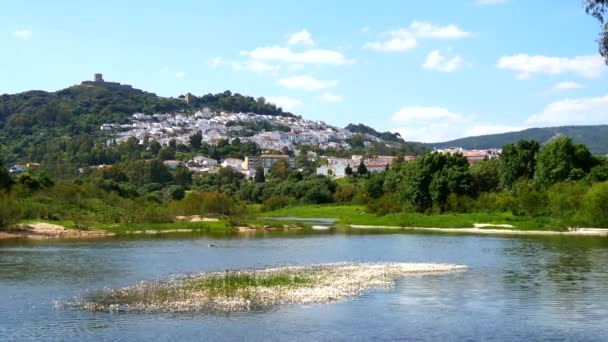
{"x": 247, "y": 290}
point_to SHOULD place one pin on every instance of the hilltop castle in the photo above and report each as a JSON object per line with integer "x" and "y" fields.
{"x": 99, "y": 81}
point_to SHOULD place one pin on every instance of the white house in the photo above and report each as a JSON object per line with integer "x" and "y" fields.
{"x": 235, "y": 163}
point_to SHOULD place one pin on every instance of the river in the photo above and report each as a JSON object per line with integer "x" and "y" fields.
{"x": 525, "y": 288}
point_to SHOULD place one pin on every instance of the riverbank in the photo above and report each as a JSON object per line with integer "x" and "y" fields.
{"x": 488, "y": 230}
{"x": 43, "y": 230}
{"x": 346, "y": 215}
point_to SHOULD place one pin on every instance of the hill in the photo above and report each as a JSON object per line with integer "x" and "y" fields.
{"x": 70, "y": 127}
{"x": 34, "y": 119}
{"x": 363, "y": 129}
{"x": 595, "y": 137}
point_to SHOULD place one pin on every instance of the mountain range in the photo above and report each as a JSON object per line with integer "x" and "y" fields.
{"x": 595, "y": 137}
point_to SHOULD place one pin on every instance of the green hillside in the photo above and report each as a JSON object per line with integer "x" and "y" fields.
{"x": 35, "y": 122}
{"x": 595, "y": 137}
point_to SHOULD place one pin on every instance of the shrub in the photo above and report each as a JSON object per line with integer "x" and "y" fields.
{"x": 344, "y": 194}
{"x": 277, "y": 202}
{"x": 594, "y": 206}
{"x": 386, "y": 204}
{"x": 9, "y": 213}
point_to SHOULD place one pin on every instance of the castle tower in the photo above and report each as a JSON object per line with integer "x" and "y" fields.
{"x": 98, "y": 78}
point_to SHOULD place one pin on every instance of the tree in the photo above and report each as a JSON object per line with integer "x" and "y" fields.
{"x": 348, "y": 170}
{"x": 259, "y": 175}
{"x": 155, "y": 147}
{"x": 517, "y": 161}
{"x": 595, "y": 205}
{"x": 598, "y": 8}
{"x": 375, "y": 185}
{"x": 280, "y": 169}
{"x": 183, "y": 176}
{"x": 6, "y": 181}
{"x": 361, "y": 169}
{"x": 430, "y": 179}
{"x": 485, "y": 176}
{"x": 561, "y": 160}
{"x": 196, "y": 140}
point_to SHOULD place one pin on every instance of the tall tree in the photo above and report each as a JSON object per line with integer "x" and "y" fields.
{"x": 361, "y": 169}
{"x": 518, "y": 161}
{"x": 259, "y": 175}
{"x": 598, "y": 8}
{"x": 561, "y": 160}
{"x": 196, "y": 140}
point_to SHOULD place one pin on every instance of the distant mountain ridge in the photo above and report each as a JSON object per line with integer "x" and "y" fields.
{"x": 594, "y": 136}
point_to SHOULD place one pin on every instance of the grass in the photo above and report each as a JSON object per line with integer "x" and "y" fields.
{"x": 232, "y": 279}
{"x": 128, "y": 228}
{"x": 358, "y": 214}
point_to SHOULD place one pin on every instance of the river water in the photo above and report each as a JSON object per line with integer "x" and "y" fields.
{"x": 515, "y": 289}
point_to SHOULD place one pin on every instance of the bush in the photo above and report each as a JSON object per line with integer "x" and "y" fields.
{"x": 345, "y": 194}
{"x": 594, "y": 206}
{"x": 200, "y": 203}
{"x": 386, "y": 204}
{"x": 174, "y": 192}
{"x": 9, "y": 213}
{"x": 565, "y": 200}
{"x": 460, "y": 203}
{"x": 277, "y": 202}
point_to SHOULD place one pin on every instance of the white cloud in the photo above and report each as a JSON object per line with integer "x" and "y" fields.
{"x": 23, "y": 34}
{"x": 422, "y": 29}
{"x": 330, "y": 98}
{"x": 436, "y": 61}
{"x": 407, "y": 38}
{"x": 215, "y": 62}
{"x": 306, "y": 82}
{"x": 180, "y": 74}
{"x": 566, "y": 86}
{"x": 364, "y": 29}
{"x": 491, "y": 2}
{"x": 284, "y": 54}
{"x": 256, "y": 66}
{"x": 285, "y": 102}
{"x": 303, "y": 37}
{"x": 393, "y": 44}
{"x": 416, "y": 115}
{"x": 586, "y": 110}
{"x": 526, "y": 65}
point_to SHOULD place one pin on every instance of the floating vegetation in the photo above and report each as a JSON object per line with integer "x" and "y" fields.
{"x": 256, "y": 289}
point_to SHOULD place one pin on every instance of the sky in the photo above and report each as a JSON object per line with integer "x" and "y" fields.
{"x": 430, "y": 70}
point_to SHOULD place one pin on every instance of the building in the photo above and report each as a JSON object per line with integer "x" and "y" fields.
{"x": 234, "y": 163}
{"x": 173, "y": 164}
{"x": 189, "y": 98}
{"x": 266, "y": 161}
{"x": 376, "y": 167}
{"x": 98, "y": 78}
{"x": 202, "y": 161}
{"x": 17, "y": 168}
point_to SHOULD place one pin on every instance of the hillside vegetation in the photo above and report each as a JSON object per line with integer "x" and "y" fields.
{"x": 594, "y": 137}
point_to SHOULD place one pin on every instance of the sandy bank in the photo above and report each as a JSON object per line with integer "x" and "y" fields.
{"x": 195, "y": 218}
{"x": 496, "y": 231}
{"x": 41, "y": 230}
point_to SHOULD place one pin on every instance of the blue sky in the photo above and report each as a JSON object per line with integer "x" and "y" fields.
{"x": 431, "y": 70}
